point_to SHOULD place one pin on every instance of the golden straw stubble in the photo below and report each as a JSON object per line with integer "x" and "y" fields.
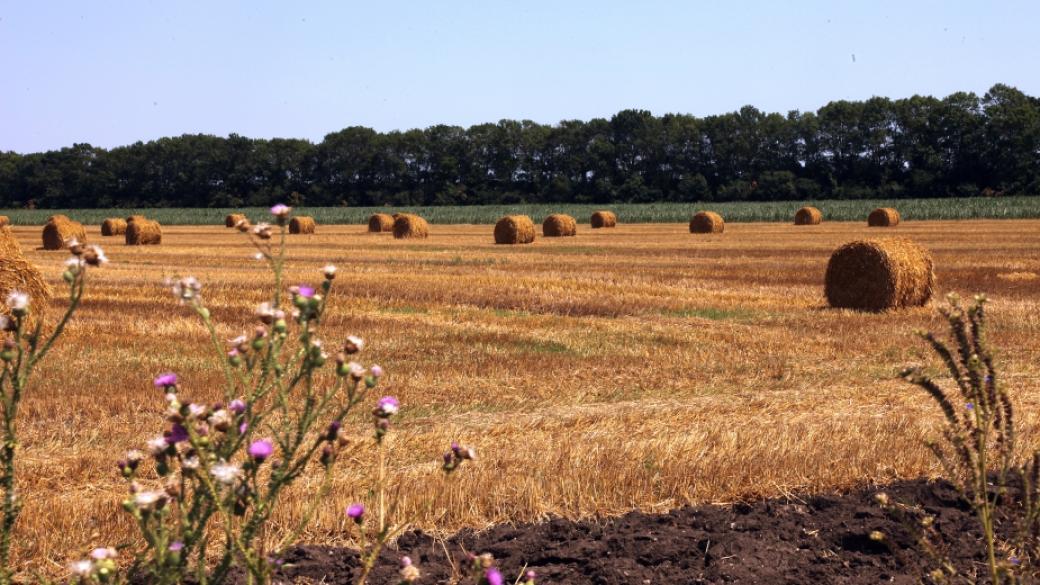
{"x": 875, "y": 275}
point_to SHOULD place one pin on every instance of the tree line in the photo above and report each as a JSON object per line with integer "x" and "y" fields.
{"x": 960, "y": 145}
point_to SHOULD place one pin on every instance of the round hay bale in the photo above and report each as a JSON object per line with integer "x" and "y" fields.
{"x": 143, "y": 232}
{"x": 232, "y": 219}
{"x": 883, "y": 217}
{"x": 381, "y": 222}
{"x": 113, "y": 226}
{"x": 134, "y": 217}
{"x": 808, "y": 216}
{"x": 4, "y": 220}
{"x": 603, "y": 219}
{"x": 874, "y": 275}
{"x": 408, "y": 225}
{"x": 17, "y": 273}
{"x": 301, "y": 224}
{"x": 707, "y": 222}
{"x": 59, "y": 230}
{"x": 514, "y": 229}
{"x": 559, "y": 225}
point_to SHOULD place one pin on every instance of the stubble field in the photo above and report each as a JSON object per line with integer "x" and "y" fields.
{"x": 637, "y": 367}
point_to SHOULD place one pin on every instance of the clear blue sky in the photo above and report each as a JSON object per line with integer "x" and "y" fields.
{"x": 111, "y": 73}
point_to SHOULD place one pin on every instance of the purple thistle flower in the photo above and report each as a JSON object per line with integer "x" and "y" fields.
{"x": 177, "y": 434}
{"x": 166, "y": 380}
{"x": 376, "y": 371}
{"x": 280, "y": 210}
{"x": 237, "y": 406}
{"x": 493, "y": 576}
{"x": 242, "y": 428}
{"x": 176, "y": 546}
{"x": 305, "y": 291}
{"x": 356, "y": 512}
{"x": 261, "y": 449}
{"x": 969, "y": 406}
{"x": 388, "y": 405}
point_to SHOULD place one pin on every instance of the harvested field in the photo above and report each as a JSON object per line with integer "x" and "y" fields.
{"x": 712, "y": 373}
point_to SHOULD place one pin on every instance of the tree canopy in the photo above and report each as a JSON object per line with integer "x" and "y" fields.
{"x": 920, "y": 146}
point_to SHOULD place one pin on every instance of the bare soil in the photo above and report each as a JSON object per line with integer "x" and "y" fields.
{"x": 819, "y": 539}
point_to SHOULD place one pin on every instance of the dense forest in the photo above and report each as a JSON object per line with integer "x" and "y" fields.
{"x": 961, "y": 145}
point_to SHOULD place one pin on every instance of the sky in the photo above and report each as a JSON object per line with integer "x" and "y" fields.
{"x": 112, "y": 73}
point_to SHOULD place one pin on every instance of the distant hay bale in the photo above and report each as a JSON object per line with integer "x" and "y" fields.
{"x": 113, "y": 226}
{"x": 143, "y": 232}
{"x": 603, "y": 219}
{"x": 59, "y": 230}
{"x": 559, "y": 225}
{"x": 4, "y": 220}
{"x": 232, "y": 219}
{"x": 408, "y": 225}
{"x": 302, "y": 224}
{"x": 133, "y": 217}
{"x": 883, "y": 217}
{"x": 874, "y": 275}
{"x": 381, "y": 222}
{"x": 17, "y": 273}
{"x": 707, "y": 222}
{"x": 514, "y": 229}
{"x": 808, "y": 216}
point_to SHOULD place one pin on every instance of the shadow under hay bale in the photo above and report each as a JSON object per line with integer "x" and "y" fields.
{"x": 514, "y": 229}
{"x": 559, "y": 225}
{"x": 113, "y": 226}
{"x": 59, "y": 230}
{"x": 18, "y": 274}
{"x": 143, "y": 232}
{"x": 232, "y": 219}
{"x": 883, "y": 217}
{"x": 808, "y": 216}
{"x": 874, "y": 275}
{"x": 302, "y": 224}
{"x": 408, "y": 225}
{"x": 707, "y": 222}
{"x": 603, "y": 219}
{"x": 381, "y": 222}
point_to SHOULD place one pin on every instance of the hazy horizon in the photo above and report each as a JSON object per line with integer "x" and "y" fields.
{"x": 117, "y": 74}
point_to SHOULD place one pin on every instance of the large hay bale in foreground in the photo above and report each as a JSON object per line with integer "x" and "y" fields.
{"x": 232, "y": 219}
{"x": 514, "y": 229}
{"x": 113, "y": 226}
{"x": 143, "y": 232}
{"x": 874, "y": 275}
{"x": 559, "y": 225}
{"x": 59, "y": 230}
{"x": 808, "y": 216}
{"x": 17, "y": 273}
{"x": 603, "y": 219}
{"x": 408, "y": 225}
{"x": 381, "y": 222}
{"x": 883, "y": 217}
{"x": 707, "y": 222}
{"x": 302, "y": 224}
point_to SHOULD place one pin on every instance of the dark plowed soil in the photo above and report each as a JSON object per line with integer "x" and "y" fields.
{"x": 820, "y": 539}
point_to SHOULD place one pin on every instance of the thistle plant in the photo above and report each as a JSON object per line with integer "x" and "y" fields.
{"x": 212, "y": 480}
{"x": 24, "y": 348}
{"x": 978, "y": 453}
